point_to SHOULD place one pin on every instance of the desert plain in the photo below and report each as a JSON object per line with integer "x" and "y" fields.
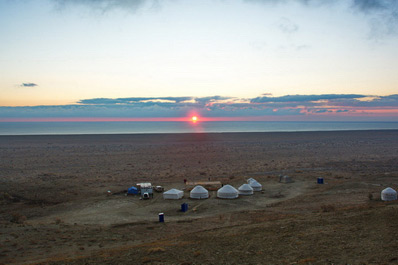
{"x": 56, "y": 208}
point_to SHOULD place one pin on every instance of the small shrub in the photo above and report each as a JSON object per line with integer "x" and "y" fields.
{"x": 305, "y": 261}
{"x": 370, "y": 196}
{"x": 18, "y": 218}
{"x": 156, "y": 250}
{"x": 145, "y": 260}
{"x": 277, "y": 195}
{"x": 328, "y": 208}
{"x": 6, "y": 196}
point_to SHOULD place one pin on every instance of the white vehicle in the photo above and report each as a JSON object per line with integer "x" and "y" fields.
{"x": 146, "y": 190}
{"x": 159, "y": 189}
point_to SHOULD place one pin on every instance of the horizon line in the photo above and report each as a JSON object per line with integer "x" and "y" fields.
{"x": 200, "y": 119}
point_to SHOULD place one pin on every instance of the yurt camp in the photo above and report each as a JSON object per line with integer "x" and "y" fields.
{"x": 388, "y": 194}
{"x": 227, "y": 192}
{"x": 173, "y": 194}
{"x": 255, "y": 185}
{"x": 199, "y": 192}
{"x": 245, "y": 189}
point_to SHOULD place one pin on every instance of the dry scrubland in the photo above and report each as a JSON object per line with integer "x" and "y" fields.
{"x": 54, "y": 206}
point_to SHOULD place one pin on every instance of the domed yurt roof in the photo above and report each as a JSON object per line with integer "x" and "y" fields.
{"x": 173, "y": 194}
{"x": 227, "y": 192}
{"x": 388, "y": 194}
{"x": 250, "y": 180}
{"x": 255, "y": 185}
{"x": 245, "y": 189}
{"x": 199, "y": 193}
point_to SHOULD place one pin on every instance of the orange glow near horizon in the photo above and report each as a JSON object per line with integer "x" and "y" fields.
{"x": 192, "y": 119}
{"x": 195, "y": 118}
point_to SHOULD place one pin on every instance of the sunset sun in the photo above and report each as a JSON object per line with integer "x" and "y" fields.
{"x": 194, "y": 118}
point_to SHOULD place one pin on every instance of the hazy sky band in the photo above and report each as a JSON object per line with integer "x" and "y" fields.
{"x": 290, "y": 107}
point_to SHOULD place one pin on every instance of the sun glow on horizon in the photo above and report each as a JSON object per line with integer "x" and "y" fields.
{"x": 194, "y": 119}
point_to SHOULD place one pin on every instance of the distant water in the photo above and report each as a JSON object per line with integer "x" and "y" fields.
{"x": 53, "y": 128}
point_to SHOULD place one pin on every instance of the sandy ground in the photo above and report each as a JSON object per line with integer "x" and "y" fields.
{"x": 55, "y": 207}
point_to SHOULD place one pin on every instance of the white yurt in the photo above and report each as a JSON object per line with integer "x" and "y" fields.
{"x": 199, "y": 193}
{"x": 285, "y": 179}
{"x": 173, "y": 194}
{"x": 227, "y": 192}
{"x": 388, "y": 194}
{"x": 250, "y": 180}
{"x": 245, "y": 189}
{"x": 255, "y": 185}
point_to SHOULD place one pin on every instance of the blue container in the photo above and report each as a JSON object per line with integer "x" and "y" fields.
{"x": 320, "y": 180}
{"x": 161, "y": 218}
{"x": 184, "y": 207}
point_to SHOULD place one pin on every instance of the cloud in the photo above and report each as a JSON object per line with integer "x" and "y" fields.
{"x": 107, "y": 5}
{"x": 303, "y": 2}
{"x": 172, "y": 99}
{"x": 150, "y": 101}
{"x": 379, "y": 101}
{"x": 372, "y": 5}
{"x": 366, "y": 6}
{"x": 133, "y": 100}
{"x": 383, "y": 14}
{"x": 287, "y": 26}
{"x": 324, "y": 105}
{"x": 209, "y": 100}
{"x": 304, "y": 98}
{"x": 98, "y": 101}
{"x": 28, "y": 85}
{"x": 319, "y": 110}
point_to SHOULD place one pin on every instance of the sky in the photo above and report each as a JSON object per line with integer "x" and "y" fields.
{"x": 220, "y": 59}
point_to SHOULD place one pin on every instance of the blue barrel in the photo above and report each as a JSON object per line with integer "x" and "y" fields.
{"x": 184, "y": 207}
{"x": 320, "y": 180}
{"x": 161, "y": 218}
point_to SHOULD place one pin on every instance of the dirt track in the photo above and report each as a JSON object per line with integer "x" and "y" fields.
{"x": 54, "y": 206}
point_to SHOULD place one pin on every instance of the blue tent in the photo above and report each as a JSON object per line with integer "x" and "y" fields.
{"x": 132, "y": 190}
